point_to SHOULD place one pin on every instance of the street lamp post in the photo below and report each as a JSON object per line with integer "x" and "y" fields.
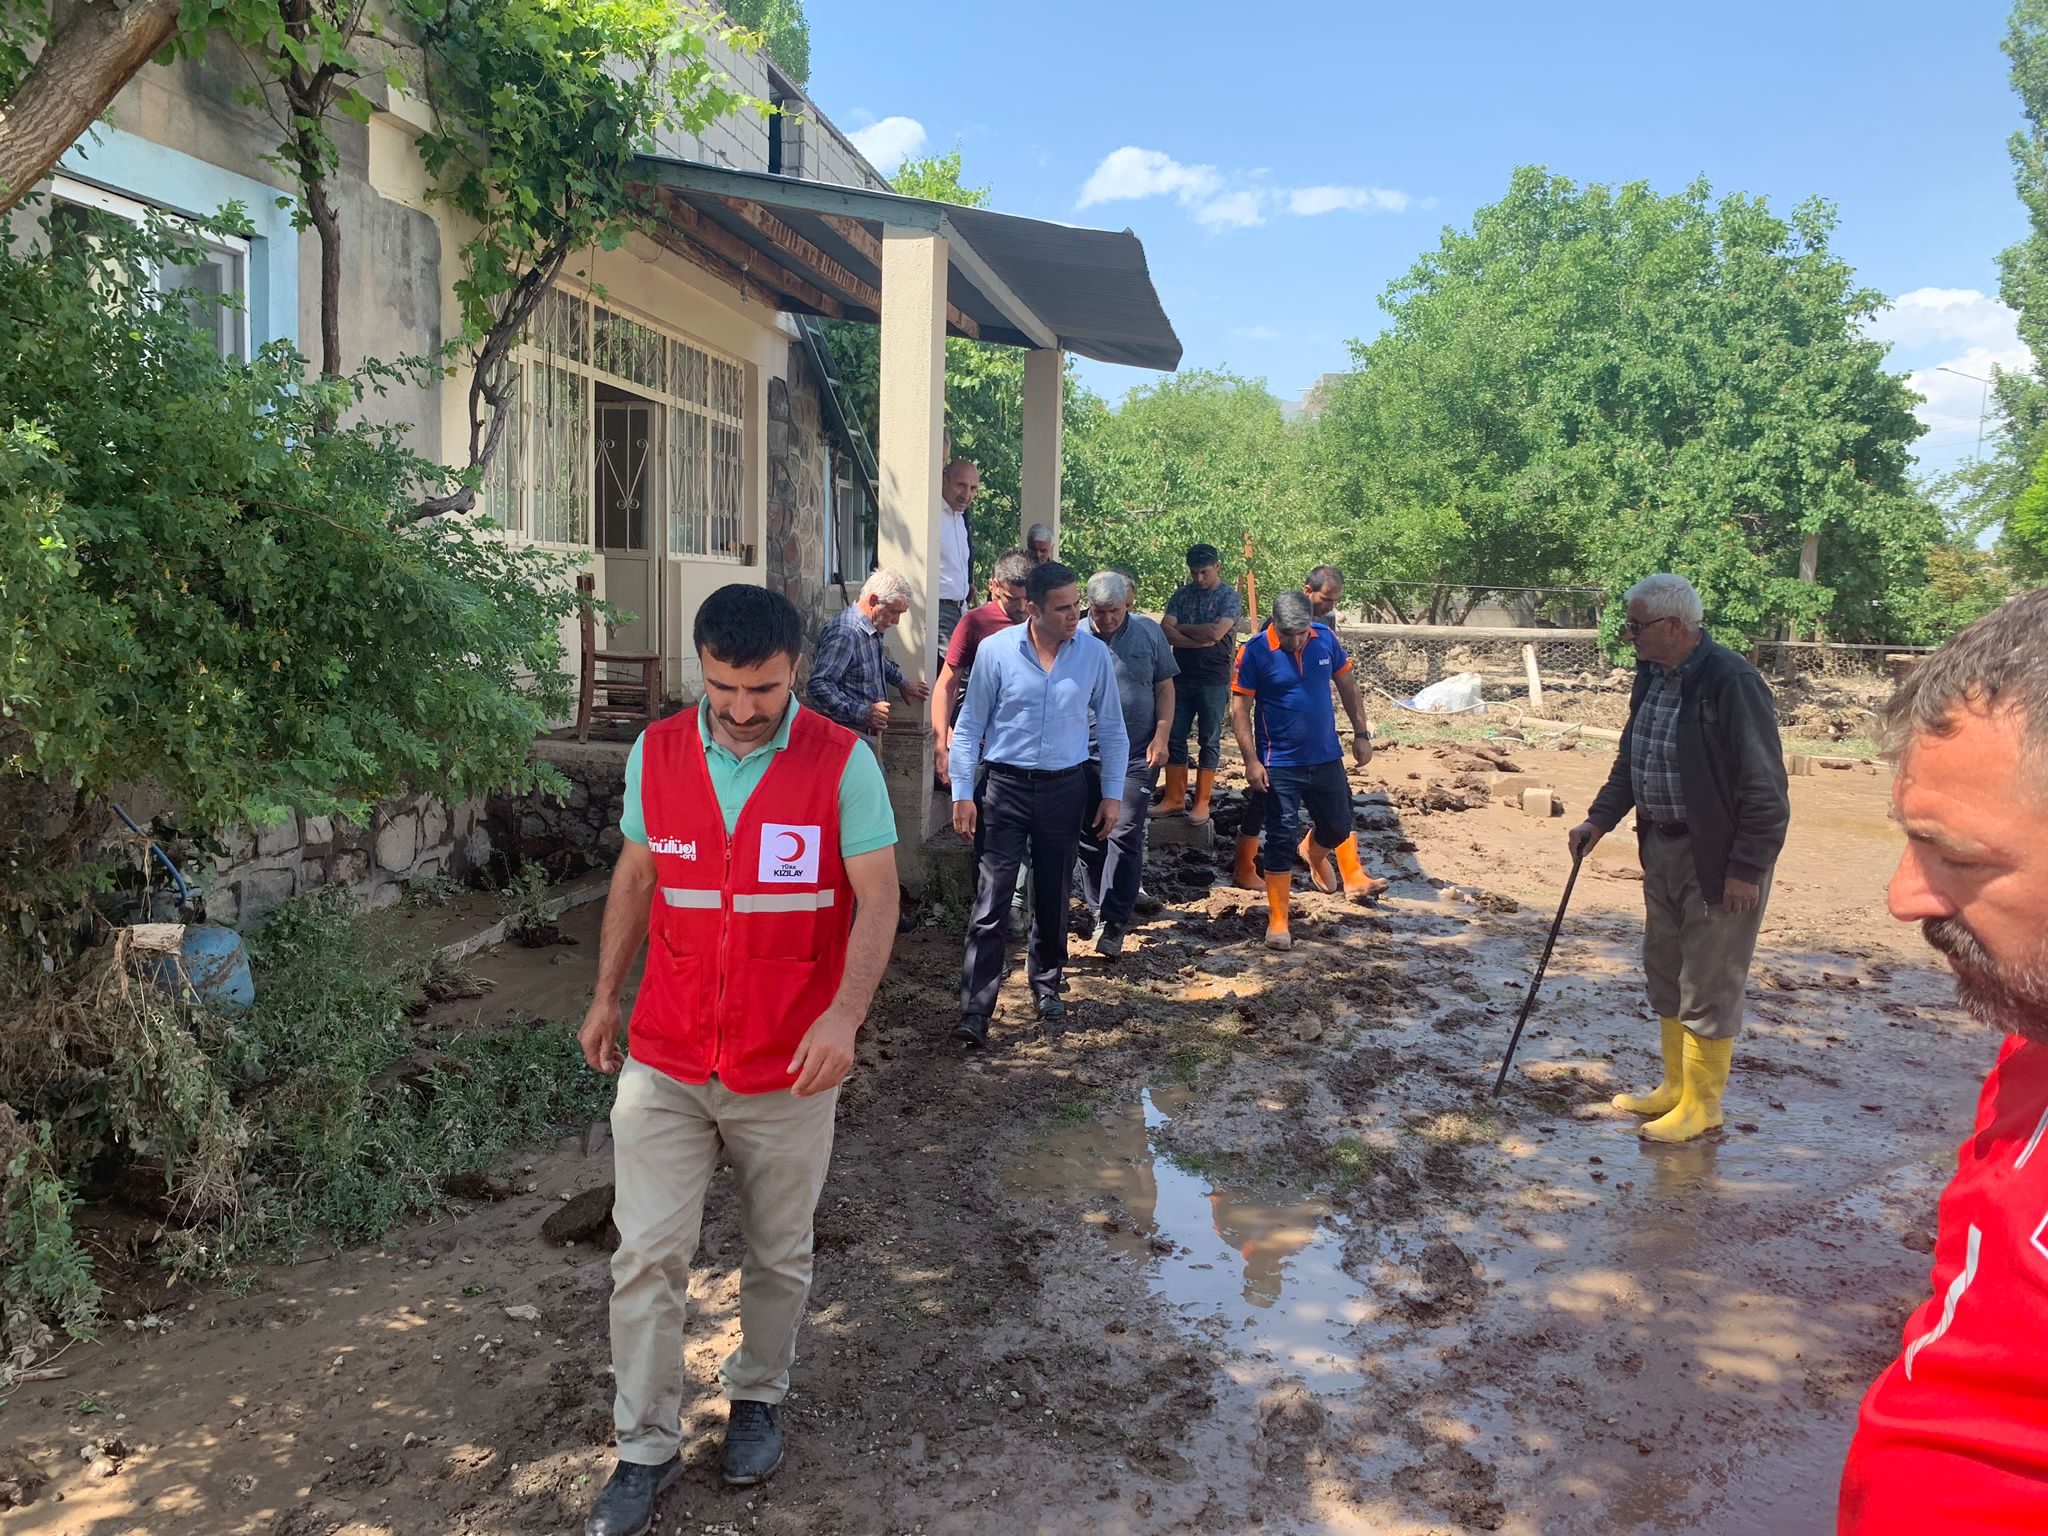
{"x": 1983, "y": 401}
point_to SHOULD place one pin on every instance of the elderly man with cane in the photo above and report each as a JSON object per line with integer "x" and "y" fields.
{"x": 1701, "y": 767}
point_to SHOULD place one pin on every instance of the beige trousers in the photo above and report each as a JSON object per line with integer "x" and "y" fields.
{"x": 1695, "y": 957}
{"x": 667, "y": 1140}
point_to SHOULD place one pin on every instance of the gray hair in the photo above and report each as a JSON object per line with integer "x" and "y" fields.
{"x": 1111, "y": 587}
{"x": 1013, "y": 568}
{"x": 1293, "y": 612}
{"x": 1036, "y": 532}
{"x": 1665, "y": 596}
{"x": 886, "y": 585}
{"x": 1998, "y": 663}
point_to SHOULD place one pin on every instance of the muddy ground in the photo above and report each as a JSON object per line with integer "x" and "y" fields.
{"x": 1242, "y": 1245}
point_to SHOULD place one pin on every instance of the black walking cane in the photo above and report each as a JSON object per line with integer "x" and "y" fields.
{"x": 1536, "y": 981}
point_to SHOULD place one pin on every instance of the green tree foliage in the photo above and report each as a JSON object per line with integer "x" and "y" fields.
{"x": 1197, "y": 458}
{"x": 202, "y": 587}
{"x": 542, "y": 106}
{"x": 2012, "y": 486}
{"x": 1607, "y": 381}
{"x": 784, "y": 30}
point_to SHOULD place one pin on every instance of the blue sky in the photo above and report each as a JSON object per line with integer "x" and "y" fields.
{"x": 1283, "y": 165}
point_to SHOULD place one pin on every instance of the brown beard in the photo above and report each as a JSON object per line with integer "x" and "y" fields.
{"x": 2014, "y": 1000}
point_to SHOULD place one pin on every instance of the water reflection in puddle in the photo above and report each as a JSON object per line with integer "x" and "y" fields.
{"x": 1259, "y": 1278}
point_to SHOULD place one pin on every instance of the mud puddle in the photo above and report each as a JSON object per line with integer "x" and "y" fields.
{"x": 1260, "y": 1281}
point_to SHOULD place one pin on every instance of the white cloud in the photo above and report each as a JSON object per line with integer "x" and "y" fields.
{"x": 1218, "y": 201}
{"x": 1131, "y": 172}
{"x": 1954, "y": 398}
{"x": 1310, "y": 201}
{"x": 1233, "y": 210}
{"x": 888, "y": 143}
{"x": 1935, "y": 316}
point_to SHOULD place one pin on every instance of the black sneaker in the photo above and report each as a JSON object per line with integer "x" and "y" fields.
{"x": 1109, "y": 940}
{"x": 753, "y": 1444}
{"x": 972, "y": 1030}
{"x": 625, "y": 1506}
{"x": 1051, "y": 1008}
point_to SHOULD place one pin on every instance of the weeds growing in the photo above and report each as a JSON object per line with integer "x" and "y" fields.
{"x": 315, "y": 1114}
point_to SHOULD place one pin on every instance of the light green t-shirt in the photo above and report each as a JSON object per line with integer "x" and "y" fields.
{"x": 866, "y": 819}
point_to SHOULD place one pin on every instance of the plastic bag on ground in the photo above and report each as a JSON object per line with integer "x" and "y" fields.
{"x": 1454, "y": 695}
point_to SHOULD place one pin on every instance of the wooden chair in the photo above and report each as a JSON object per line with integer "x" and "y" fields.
{"x": 641, "y": 694}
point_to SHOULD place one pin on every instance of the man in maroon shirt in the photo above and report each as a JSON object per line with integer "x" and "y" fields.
{"x": 1004, "y": 608}
{"x": 1953, "y": 1437}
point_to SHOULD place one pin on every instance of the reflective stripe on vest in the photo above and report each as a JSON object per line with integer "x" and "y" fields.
{"x": 700, "y": 900}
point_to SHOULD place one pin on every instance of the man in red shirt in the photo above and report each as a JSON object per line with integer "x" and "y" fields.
{"x": 1953, "y": 1437}
{"x": 1004, "y": 608}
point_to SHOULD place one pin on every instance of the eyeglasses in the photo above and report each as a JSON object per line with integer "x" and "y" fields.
{"x": 1630, "y": 628}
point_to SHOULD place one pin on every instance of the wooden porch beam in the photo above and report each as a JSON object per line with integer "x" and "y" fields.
{"x": 856, "y": 234}
{"x": 678, "y": 244}
{"x": 745, "y": 258}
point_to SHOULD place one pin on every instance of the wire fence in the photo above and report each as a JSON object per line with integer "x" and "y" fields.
{"x": 1823, "y": 692}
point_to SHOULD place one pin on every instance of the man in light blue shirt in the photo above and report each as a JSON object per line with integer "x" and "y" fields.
{"x": 1018, "y": 765}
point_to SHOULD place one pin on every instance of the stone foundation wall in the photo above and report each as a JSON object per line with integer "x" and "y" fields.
{"x": 798, "y": 463}
{"x": 414, "y": 838}
{"x": 577, "y": 831}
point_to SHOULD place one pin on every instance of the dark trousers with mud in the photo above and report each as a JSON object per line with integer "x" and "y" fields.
{"x": 1322, "y": 792}
{"x": 1022, "y": 818}
{"x": 1695, "y": 957}
{"x": 1112, "y": 866}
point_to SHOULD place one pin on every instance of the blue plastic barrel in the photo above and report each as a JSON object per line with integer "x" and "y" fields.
{"x": 216, "y": 966}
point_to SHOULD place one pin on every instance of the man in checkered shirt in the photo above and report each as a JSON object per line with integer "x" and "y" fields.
{"x": 851, "y": 673}
{"x": 1701, "y": 767}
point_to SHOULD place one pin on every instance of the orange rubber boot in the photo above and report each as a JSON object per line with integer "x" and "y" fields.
{"x": 1358, "y": 885}
{"x": 1321, "y": 872}
{"x": 1278, "y": 888}
{"x": 1175, "y": 798}
{"x": 1246, "y": 875}
{"x": 1205, "y": 786}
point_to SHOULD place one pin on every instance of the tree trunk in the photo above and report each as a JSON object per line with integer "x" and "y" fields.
{"x": 68, "y": 88}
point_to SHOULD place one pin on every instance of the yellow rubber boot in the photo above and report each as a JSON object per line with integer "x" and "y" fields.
{"x": 1245, "y": 876}
{"x": 1205, "y": 786}
{"x": 1358, "y": 885}
{"x": 1663, "y": 1098}
{"x": 1699, "y": 1101}
{"x": 1322, "y": 873}
{"x": 1175, "y": 799}
{"x": 1278, "y": 889}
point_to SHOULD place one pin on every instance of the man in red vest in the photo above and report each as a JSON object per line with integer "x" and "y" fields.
{"x": 1953, "y": 1437}
{"x": 758, "y": 864}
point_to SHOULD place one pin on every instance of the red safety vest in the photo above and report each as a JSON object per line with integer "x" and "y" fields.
{"x": 746, "y": 935}
{"x": 1953, "y": 1437}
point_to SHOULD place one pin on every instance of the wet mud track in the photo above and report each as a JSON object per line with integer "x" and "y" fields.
{"x": 1241, "y": 1244}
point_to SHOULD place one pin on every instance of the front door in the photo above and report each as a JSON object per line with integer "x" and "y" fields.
{"x": 627, "y": 532}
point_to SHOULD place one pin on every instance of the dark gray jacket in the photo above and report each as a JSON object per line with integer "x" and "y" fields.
{"x": 1729, "y": 762}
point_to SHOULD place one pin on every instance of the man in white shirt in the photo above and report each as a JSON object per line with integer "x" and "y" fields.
{"x": 957, "y": 490}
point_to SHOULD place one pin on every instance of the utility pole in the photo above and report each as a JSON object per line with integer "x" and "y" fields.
{"x": 1983, "y": 401}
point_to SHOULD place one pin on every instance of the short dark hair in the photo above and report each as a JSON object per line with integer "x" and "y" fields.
{"x": 1998, "y": 663}
{"x": 1292, "y": 613}
{"x": 1047, "y": 578}
{"x": 1013, "y": 568}
{"x": 1201, "y": 555}
{"x": 1324, "y": 576}
{"x": 744, "y": 626}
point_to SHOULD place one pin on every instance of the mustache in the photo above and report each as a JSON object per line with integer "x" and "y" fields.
{"x": 2014, "y": 998}
{"x": 1953, "y": 939}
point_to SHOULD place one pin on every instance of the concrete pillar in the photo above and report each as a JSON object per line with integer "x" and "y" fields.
{"x": 913, "y": 408}
{"x": 1044, "y": 390}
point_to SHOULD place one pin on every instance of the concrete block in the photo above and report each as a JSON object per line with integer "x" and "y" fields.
{"x": 1179, "y": 832}
{"x": 1542, "y": 800}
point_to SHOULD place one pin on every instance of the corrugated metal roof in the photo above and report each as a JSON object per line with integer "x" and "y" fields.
{"x": 815, "y": 248}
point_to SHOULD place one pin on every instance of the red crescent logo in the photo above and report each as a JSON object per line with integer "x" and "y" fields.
{"x": 792, "y": 837}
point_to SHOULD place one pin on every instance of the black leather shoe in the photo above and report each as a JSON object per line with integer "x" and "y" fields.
{"x": 753, "y": 1444}
{"x": 972, "y": 1030}
{"x": 1051, "y": 1007}
{"x": 626, "y": 1505}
